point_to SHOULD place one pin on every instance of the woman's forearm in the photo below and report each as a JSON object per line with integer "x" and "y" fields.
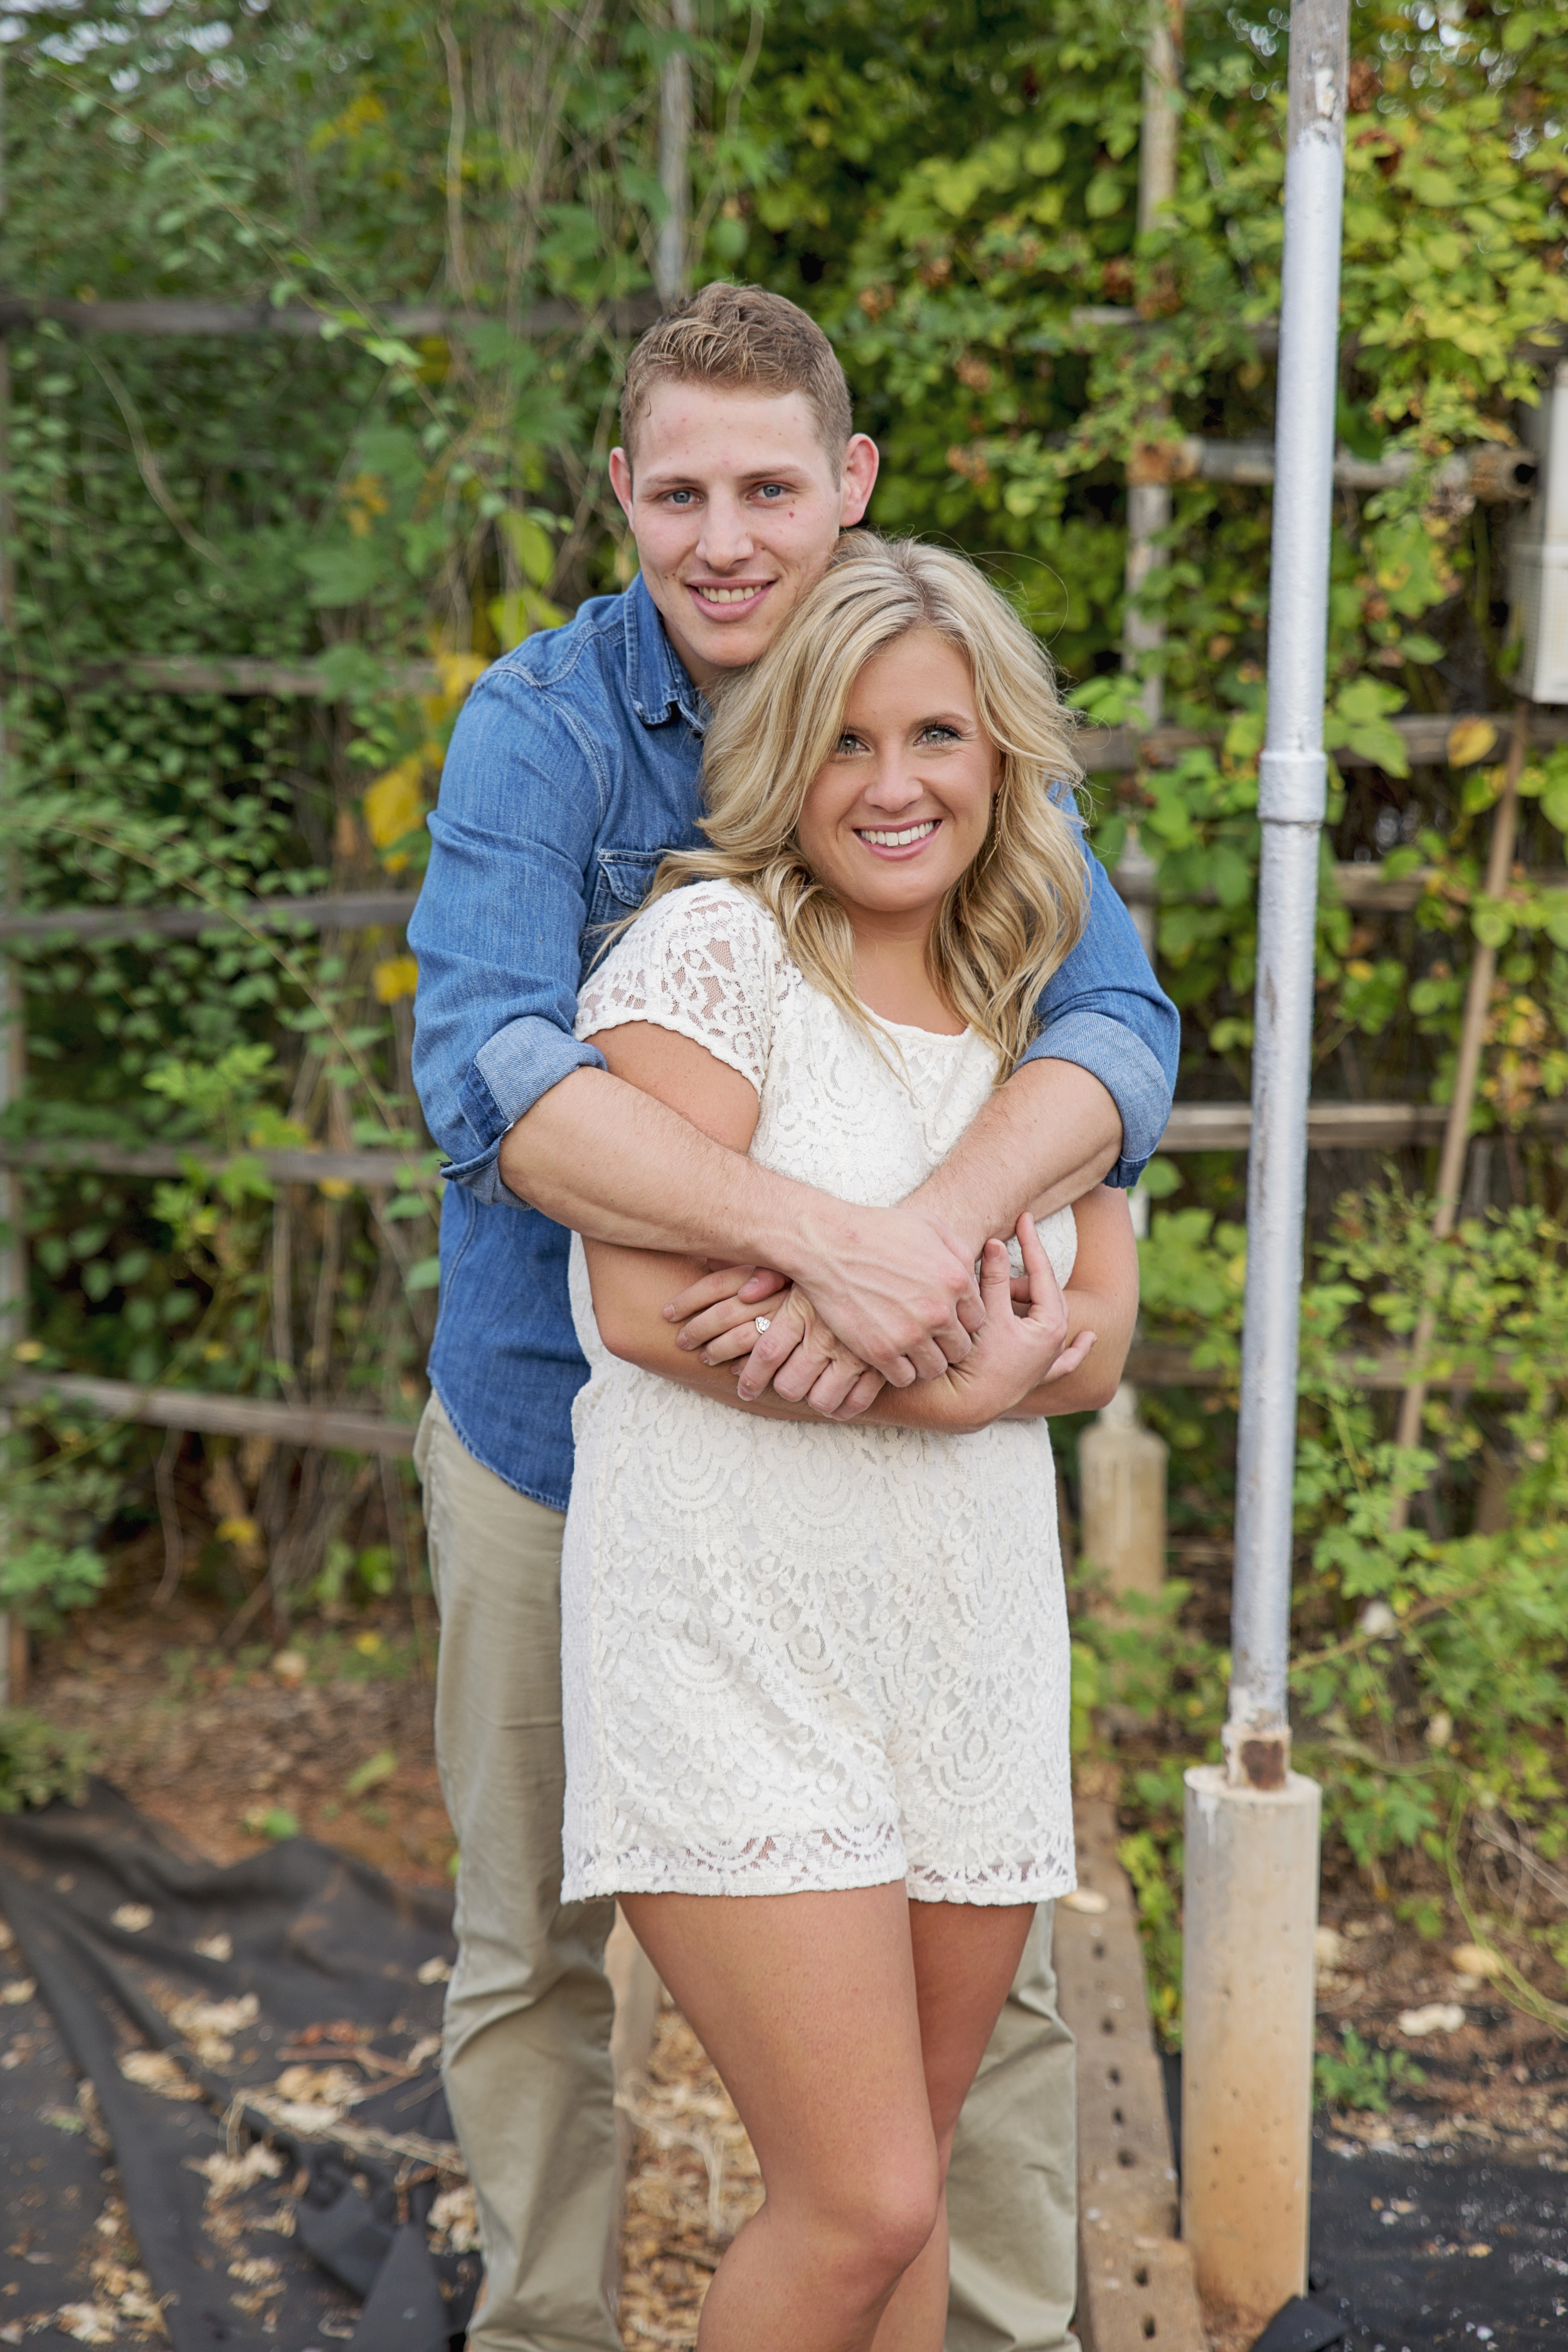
{"x": 630, "y": 1288}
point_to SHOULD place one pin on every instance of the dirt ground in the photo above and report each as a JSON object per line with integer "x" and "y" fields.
{"x": 334, "y": 1739}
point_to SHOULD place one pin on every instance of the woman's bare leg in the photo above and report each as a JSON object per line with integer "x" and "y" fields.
{"x": 815, "y": 2008}
{"x": 965, "y": 1957}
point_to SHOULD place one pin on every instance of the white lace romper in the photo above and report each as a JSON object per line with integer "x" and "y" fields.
{"x": 806, "y": 1656}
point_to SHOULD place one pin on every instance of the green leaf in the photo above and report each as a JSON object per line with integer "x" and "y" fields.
{"x": 371, "y": 1772}
{"x": 530, "y": 544}
{"x": 1105, "y": 194}
{"x": 423, "y": 1276}
{"x": 344, "y": 574}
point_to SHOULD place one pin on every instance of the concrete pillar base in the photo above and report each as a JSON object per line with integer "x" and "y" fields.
{"x": 1251, "y": 1912}
{"x": 1121, "y": 1497}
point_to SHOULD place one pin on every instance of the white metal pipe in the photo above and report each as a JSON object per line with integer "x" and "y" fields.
{"x": 1291, "y": 794}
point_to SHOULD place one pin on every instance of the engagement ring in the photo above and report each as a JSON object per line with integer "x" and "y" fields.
{"x": 762, "y": 1321}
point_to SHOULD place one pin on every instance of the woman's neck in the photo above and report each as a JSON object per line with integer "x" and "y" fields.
{"x": 891, "y": 975}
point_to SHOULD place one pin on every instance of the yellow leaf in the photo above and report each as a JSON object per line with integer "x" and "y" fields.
{"x": 457, "y": 672}
{"x": 1471, "y": 740}
{"x": 395, "y": 979}
{"x": 394, "y": 804}
{"x": 333, "y": 1187}
{"x": 238, "y": 1532}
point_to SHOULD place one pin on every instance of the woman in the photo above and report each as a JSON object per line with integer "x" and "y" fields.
{"x": 817, "y": 1676}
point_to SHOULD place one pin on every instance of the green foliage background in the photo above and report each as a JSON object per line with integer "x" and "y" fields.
{"x": 951, "y": 189}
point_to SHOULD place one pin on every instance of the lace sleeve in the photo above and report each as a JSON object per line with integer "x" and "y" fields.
{"x": 704, "y": 962}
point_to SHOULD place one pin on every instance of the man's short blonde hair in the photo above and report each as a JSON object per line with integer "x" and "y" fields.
{"x": 740, "y": 338}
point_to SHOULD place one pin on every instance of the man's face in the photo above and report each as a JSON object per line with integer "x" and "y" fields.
{"x": 735, "y": 506}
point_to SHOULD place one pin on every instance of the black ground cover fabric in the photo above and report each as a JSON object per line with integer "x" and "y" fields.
{"x": 261, "y": 2046}
{"x": 1427, "y": 2250}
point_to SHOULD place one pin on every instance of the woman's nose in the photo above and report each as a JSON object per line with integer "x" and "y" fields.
{"x": 893, "y": 787}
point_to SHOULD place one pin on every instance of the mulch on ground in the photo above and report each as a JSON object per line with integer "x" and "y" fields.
{"x": 230, "y": 1753}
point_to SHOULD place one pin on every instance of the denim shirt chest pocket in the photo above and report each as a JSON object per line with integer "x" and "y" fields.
{"x": 619, "y": 882}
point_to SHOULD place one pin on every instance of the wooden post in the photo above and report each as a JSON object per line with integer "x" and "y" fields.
{"x": 671, "y": 267}
{"x": 1467, "y": 1076}
{"x": 1122, "y": 1467}
{"x": 13, "y": 1035}
{"x": 1149, "y": 501}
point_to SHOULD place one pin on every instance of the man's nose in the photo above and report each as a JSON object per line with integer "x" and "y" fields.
{"x": 726, "y": 536}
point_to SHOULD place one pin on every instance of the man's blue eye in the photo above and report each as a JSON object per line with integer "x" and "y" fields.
{"x": 676, "y": 496}
{"x": 774, "y": 490}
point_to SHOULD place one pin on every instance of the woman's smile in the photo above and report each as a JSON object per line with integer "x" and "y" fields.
{"x": 902, "y": 843}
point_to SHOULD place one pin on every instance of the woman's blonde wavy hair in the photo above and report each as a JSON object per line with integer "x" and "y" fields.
{"x": 1009, "y": 921}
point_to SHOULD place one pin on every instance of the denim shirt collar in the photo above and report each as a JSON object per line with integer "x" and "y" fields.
{"x": 656, "y": 678}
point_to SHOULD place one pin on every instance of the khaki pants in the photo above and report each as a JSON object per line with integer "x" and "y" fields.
{"x": 528, "y": 2012}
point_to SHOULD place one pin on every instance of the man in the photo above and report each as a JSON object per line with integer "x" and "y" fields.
{"x": 573, "y": 769}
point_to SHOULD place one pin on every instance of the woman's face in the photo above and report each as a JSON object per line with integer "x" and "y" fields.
{"x": 902, "y": 806}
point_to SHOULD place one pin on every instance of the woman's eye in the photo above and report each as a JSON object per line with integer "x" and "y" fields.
{"x": 939, "y": 734}
{"x": 847, "y": 747}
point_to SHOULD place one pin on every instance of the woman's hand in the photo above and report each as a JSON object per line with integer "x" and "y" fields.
{"x": 819, "y": 1369}
{"x": 1020, "y": 1346}
{"x": 727, "y": 1299}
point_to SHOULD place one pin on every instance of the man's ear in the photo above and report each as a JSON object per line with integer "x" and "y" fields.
{"x": 621, "y": 480}
{"x": 861, "y": 459}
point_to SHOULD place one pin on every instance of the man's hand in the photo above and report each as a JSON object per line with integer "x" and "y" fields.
{"x": 892, "y": 1284}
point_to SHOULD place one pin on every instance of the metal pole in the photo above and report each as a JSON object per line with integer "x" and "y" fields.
{"x": 1291, "y": 794}
{"x": 671, "y": 262}
{"x": 1251, "y": 1893}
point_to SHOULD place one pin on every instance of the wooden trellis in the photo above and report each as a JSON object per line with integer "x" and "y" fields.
{"x": 1194, "y": 1127}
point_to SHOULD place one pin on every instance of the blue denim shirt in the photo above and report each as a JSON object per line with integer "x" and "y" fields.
{"x": 572, "y": 769}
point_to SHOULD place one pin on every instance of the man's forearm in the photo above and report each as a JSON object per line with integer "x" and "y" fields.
{"x": 617, "y": 1165}
{"x": 1042, "y": 1142}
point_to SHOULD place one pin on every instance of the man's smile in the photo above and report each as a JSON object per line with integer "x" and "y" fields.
{"x": 741, "y": 592}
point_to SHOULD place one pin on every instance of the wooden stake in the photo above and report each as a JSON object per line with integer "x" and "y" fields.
{"x": 671, "y": 257}
{"x": 1467, "y": 1075}
{"x": 13, "y": 1035}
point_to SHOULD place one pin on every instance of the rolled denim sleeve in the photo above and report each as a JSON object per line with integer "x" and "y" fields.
{"x": 497, "y": 929}
{"x": 1104, "y": 1009}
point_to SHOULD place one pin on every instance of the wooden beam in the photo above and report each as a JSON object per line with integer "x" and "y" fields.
{"x": 1194, "y": 1126}
{"x": 1384, "y": 1368}
{"x": 1362, "y": 886}
{"x": 1134, "y": 2276}
{"x": 363, "y": 910}
{"x": 407, "y": 322}
{"x": 221, "y": 674}
{"x": 1106, "y": 750}
{"x": 224, "y": 1416}
{"x": 369, "y": 1170}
